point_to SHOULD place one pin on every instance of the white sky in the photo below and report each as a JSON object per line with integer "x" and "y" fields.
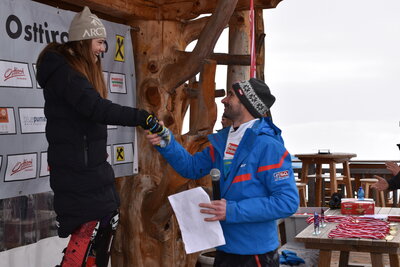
{"x": 334, "y": 67}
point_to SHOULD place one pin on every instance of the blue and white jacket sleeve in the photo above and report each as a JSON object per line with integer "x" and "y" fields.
{"x": 187, "y": 165}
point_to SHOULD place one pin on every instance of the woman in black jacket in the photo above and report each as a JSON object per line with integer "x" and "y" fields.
{"x": 77, "y": 113}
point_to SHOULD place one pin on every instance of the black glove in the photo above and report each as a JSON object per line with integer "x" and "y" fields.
{"x": 154, "y": 126}
{"x": 143, "y": 117}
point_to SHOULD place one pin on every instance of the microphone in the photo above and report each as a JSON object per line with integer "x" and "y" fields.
{"x": 215, "y": 176}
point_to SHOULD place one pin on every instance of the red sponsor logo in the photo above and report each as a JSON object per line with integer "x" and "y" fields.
{"x": 3, "y": 115}
{"x": 12, "y": 73}
{"x": 231, "y": 149}
{"x": 21, "y": 166}
{"x": 117, "y": 82}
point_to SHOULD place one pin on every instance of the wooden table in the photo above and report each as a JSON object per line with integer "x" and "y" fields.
{"x": 332, "y": 159}
{"x": 376, "y": 248}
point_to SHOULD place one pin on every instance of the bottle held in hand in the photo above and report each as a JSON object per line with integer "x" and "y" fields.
{"x": 156, "y": 128}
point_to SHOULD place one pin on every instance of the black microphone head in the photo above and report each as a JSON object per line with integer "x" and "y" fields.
{"x": 215, "y": 174}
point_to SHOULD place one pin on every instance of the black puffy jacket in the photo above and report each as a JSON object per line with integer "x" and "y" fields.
{"x": 76, "y": 130}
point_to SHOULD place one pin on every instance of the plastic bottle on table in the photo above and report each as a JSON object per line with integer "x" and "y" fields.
{"x": 360, "y": 193}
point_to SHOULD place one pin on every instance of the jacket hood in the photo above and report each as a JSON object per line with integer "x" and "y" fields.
{"x": 266, "y": 126}
{"x": 50, "y": 63}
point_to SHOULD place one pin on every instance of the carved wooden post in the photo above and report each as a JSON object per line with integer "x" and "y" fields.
{"x": 260, "y": 47}
{"x": 148, "y": 234}
{"x": 260, "y": 42}
{"x": 204, "y": 101}
{"x": 239, "y": 44}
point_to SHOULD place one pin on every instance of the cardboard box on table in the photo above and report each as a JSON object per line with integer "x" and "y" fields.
{"x": 354, "y": 206}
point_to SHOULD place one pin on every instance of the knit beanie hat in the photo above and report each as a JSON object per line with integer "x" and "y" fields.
{"x": 86, "y": 25}
{"x": 255, "y": 95}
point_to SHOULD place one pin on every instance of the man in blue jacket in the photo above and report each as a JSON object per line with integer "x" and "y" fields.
{"x": 257, "y": 184}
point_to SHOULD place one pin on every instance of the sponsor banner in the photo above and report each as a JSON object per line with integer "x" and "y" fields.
{"x": 44, "y": 166}
{"x": 105, "y": 75}
{"x": 109, "y": 155}
{"x": 21, "y": 167}
{"x": 117, "y": 83}
{"x": 32, "y": 120}
{"x": 15, "y": 74}
{"x": 26, "y": 27}
{"x": 123, "y": 153}
{"x": 34, "y": 71}
{"x": 7, "y": 121}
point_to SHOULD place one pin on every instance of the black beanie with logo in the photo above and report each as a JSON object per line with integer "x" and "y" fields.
{"x": 255, "y": 95}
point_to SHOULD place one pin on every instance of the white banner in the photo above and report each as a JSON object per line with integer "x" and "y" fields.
{"x": 26, "y": 27}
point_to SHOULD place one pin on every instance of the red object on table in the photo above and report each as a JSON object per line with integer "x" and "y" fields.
{"x": 352, "y": 206}
{"x": 393, "y": 218}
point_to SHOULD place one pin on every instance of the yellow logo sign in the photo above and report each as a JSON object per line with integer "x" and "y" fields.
{"x": 119, "y": 49}
{"x": 120, "y": 153}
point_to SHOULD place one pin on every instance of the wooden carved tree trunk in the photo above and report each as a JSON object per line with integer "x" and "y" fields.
{"x": 148, "y": 234}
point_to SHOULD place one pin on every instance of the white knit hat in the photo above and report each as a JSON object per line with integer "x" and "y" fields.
{"x": 86, "y": 25}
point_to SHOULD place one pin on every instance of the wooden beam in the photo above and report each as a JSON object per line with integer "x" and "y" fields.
{"x": 220, "y": 93}
{"x": 158, "y": 10}
{"x": 226, "y": 59}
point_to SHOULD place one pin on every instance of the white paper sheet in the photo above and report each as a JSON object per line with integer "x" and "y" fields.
{"x": 197, "y": 234}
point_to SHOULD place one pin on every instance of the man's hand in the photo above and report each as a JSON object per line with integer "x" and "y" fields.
{"x": 217, "y": 208}
{"x": 392, "y": 167}
{"x": 154, "y": 139}
{"x": 381, "y": 185}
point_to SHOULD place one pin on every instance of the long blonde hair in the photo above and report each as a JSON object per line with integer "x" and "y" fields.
{"x": 79, "y": 55}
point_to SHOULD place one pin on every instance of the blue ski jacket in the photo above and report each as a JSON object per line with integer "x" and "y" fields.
{"x": 259, "y": 189}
